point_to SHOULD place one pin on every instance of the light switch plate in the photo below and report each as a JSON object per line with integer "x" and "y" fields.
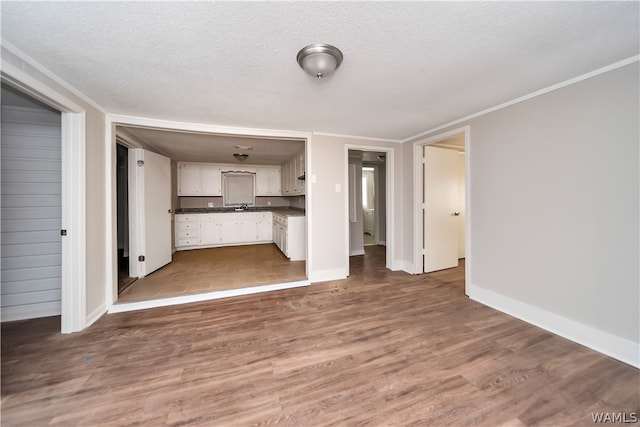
{"x": 338, "y": 188}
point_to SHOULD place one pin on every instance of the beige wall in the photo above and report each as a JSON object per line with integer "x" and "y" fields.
{"x": 329, "y": 208}
{"x": 554, "y": 209}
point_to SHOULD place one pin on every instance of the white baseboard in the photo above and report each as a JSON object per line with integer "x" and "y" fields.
{"x": 95, "y": 315}
{"x": 381, "y": 242}
{"x": 327, "y": 275}
{"x": 205, "y": 296}
{"x": 619, "y": 348}
{"x": 401, "y": 265}
{"x": 31, "y": 311}
{"x": 357, "y": 252}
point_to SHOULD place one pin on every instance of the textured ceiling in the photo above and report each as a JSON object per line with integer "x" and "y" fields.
{"x": 408, "y": 67}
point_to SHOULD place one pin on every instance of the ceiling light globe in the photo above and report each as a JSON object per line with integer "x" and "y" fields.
{"x": 319, "y": 60}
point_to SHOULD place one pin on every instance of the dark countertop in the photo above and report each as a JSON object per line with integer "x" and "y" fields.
{"x": 283, "y": 210}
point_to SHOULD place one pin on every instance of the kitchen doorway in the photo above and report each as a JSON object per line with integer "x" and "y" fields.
{"x": 203, "y": 269}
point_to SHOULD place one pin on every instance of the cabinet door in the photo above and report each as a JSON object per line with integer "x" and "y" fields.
{"x": 262, "y": 182}
{"x": 228, "y": 229}
{"x": 211, "y": 180}
{"x": 210, "y": 233}
{"x": 274, "y": 182}
{"x": 189, "y": 180}
{"x": 300, "y": 172}
{"x": 247, "y": 229}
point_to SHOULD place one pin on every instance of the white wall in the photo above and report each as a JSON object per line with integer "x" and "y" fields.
{"x": 554, "y": 211}
{"x": 95, "y": 200}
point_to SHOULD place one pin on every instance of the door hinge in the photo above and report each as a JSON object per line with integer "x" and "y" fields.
{"x": 141, "y": 258}
{"x": 63, "y": 232}
{"x": 140, "y": 162}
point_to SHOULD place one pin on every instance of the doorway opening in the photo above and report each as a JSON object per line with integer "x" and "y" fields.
{"x": 216, "y": 250}
{"x": 367, "y": 207}
{"x": 122, "y": 212}
{"x": 440, "y": 195}
{"x": 31, "y": 276}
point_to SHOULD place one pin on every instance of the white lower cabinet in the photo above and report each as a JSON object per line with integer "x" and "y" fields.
{"x": 289, "y": 235}
{"x": 210, "y": 230}
{"x": 220, "y": 229}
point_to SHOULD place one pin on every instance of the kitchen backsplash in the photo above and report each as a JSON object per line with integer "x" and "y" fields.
{"x": 202, "y": 202}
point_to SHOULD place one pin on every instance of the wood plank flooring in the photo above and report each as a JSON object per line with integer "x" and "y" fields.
{"x": 380, "y": 348}
{"x": 215, "y": 269}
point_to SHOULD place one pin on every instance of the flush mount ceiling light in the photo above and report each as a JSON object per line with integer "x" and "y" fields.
{"x": 319, "y": 60}
{"x": 244, "y": 147}
{"x": 240, "y": 156}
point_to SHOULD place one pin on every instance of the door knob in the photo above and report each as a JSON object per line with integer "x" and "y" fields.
{"x": 456, "y": 214}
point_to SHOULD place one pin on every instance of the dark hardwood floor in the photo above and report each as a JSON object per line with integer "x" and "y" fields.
{"x": 380, "y": 348}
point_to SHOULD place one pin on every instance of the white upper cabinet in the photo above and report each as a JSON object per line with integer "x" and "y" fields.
{"x": 210, "y": 177}
{"x": 268, "y": 181}
{"x": 292, "y": 170}
{"x": 199, "y": 179}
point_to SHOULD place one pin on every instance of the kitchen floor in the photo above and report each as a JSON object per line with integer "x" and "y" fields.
{"x": 215, "y": 269}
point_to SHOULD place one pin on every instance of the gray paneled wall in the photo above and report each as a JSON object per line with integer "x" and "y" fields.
{"x": 31, "y": 213}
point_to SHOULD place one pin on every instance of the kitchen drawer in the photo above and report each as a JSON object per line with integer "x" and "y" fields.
{"x": 187, "y": 242}
{"x": 210, "y": 218}
{"x": 187, "y": 218}
{"x": 188, "y": 234}
{"x": 187, "y": 226}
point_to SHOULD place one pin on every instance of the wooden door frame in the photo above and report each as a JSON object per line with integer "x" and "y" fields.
{"x": 418, "y": 184}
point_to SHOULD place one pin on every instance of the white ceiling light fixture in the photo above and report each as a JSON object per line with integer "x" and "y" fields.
{"x": 319, "y": 60}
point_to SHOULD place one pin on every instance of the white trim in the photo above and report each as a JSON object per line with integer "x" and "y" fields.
{"x": 357, "y": 252}
{"x": 337, "y": 135}
{"x": 95, "y": 314}
{"x": 543, "y": 91}
{"x": 328, "y": 275}
{"x": 41, "y": 68}
{"x": 418, "y": 268}
{"x": 389, "y": 205}
{"x": 206, "y": 296}
{"x": 204, "y": 127}
{"x": 619, "y": 348}
{"x": 30, "y": 311}
{"x": 402, "y": 265}
{"x": 73, "y": 163}
{"x": 308, "y": 210}
{"x": 74, "y": 221}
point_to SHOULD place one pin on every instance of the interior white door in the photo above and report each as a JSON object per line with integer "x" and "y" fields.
{"x": 153, "y": 178}
{"x": 440, "y": 204}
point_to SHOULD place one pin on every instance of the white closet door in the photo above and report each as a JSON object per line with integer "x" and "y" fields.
{"x": 31, "y": 213}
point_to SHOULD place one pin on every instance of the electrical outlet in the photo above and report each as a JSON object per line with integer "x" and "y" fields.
{"x": 210, "y": 204}
{"x": 269, "y": 203}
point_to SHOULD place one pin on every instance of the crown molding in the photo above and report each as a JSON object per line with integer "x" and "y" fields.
{"x": 537, "y": 93}
{"x": 49, "y": 74}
